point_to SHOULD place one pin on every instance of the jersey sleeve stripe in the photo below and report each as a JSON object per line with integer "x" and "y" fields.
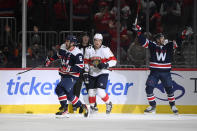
{"x": 109, "y": 59}
{"x": 80, "y": 65}
{"x": 146, "y": 44}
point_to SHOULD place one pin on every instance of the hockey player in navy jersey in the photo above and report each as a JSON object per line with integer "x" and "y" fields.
{"x": 161, "y": 53}
{"x": 85, "y": 43}
{"x": 71, "y": 66}
{"x": 98, "y": 58}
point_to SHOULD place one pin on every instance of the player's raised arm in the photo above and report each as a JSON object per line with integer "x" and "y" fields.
{"x": 141, "y": 38}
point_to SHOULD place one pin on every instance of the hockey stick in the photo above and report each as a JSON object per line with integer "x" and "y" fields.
{"x": 30, "y": 69}
{"x": 40, "y": 66}
{"x": 138, "y": 9}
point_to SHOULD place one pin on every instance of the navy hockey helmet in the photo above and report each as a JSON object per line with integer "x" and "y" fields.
{"x": 159, "y": 35}
{"x": 71, "y": 38}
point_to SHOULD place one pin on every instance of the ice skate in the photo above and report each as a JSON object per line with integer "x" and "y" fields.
{"x": 93, "y": 109}
{"x": 174, "y": 110}
{"x": 80, "y": 110}
{"x": 150, "y": 110}
{"x": 108, "y": 108}
{"x": 74, "y": 109}
{"x": 63, "y": 112}
{"x": 86, "y": 110}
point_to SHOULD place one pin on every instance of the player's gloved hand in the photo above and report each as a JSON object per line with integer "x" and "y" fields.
{"x": 103, "y": 65}
{"x": 86, "y": 77}
{"x": 65, "y": 68}
{"x": 187, "y": 31}
{"x": 136, "y": 28}
{"x": 47, "y": 62}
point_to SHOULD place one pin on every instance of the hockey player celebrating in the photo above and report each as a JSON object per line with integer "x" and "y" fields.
{"x": 71, "y": 65}
{"x": 161, "y": 53}
{"x": 98, "y": 58}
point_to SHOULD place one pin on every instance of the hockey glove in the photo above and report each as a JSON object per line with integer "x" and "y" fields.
{"x": 103, "y": 65}
{"x": 86, "y": 78}
{"x": 186, "y": 32}
{"x": 137, "y": 28}
{"x": 47, "y": 62}
{"x": 65, "y": 69}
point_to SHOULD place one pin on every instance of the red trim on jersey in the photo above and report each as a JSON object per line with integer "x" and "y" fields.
{"x": 160, "y": 65}
{"x": 61, "y": 98}
{"x": 110, "y": 58}
{"x": 86, "y": 61}
{"x": 151, "y": 98}
{"x": 51, "y": 59}
{"x": 80, "y": 65}
{"x": 105, "y": 98}
{"x": 75, "y": 100}
{"x": 139, "y": 33}
{"x": 146, "y": 44}
{"x": 95, "y": 58}
{"x": 104, "y": 60}
{"x": 175, "y": 45}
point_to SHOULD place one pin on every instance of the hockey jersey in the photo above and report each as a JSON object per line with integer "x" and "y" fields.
{"x": 103, "y": 54}
{"x": 71, "y": 61}
{"x": 160, "y": 55}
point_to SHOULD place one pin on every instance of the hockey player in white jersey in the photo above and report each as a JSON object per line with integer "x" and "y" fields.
{"x": 98, "y": 58}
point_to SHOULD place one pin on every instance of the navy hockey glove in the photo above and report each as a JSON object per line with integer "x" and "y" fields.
{"x": 86, "y": 77}
{"x": 103, "y": 65}
{"x": 65, "y": 69}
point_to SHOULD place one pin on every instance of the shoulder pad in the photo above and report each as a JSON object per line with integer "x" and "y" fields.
{"x": 103, "y": 46}
{"x": 76, "y": 51}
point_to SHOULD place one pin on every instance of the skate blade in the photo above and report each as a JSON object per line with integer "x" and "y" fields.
{"x": 176, "y": 114}
{"x": 149, "y": 113}
{"x": 62, "y": 116}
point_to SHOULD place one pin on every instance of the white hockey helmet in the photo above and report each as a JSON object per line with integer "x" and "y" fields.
{"x": 98, "y": 36}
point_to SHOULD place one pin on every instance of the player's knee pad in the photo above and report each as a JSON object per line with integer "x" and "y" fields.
{"x": 149, "y": 90}
{"x": 59, "y": 91}
{"x": 101, "y": 92}
{"x": 170, "y": 95}
{"x": 91, "y": 92}
{"x": 169, "y": 90}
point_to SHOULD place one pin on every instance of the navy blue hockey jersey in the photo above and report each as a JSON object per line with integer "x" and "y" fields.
{"x": 160, "y": 55}
{"x": 71, "y": 62}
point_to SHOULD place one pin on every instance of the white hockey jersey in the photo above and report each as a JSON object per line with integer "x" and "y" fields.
{"x": 103, "y": 54}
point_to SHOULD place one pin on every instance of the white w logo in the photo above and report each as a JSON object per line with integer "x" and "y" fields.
{"x": 161, "y": 56}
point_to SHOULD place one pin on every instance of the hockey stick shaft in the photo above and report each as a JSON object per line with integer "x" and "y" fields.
{"x": 138, "y": 9}
{"x": 29, "y": 69}
{"x": 40, "y": 66}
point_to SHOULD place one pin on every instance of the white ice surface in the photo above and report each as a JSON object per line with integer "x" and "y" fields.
{"x": 98, "y": 122}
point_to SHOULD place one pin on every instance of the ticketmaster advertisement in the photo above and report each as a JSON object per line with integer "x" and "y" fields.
{"x": 35, "y": 91}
